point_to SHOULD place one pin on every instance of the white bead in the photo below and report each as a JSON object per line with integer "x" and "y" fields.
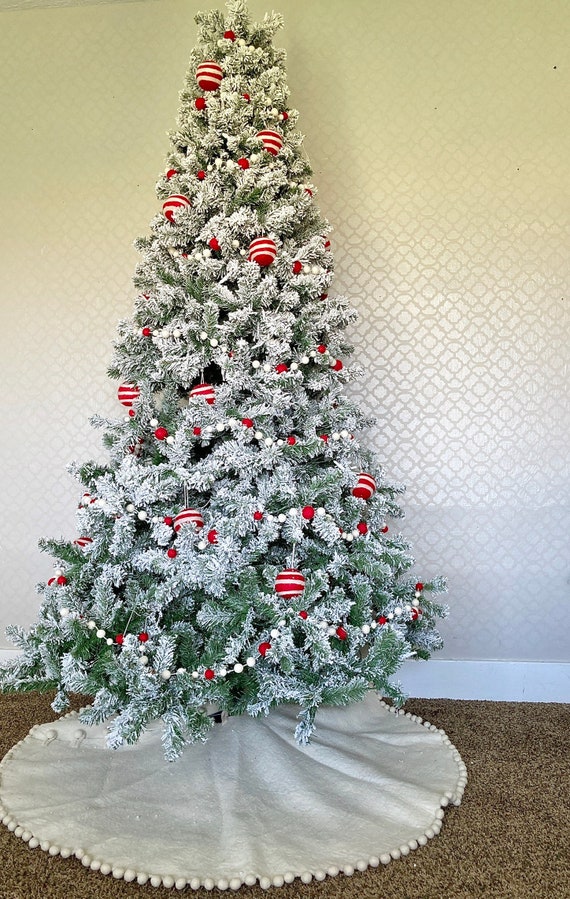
{"x": 349, "y": 538}
{"x": 209, "y": 428}
{"x": 390, "y": 615}
{"x": 312, "y": 353}
{"x": 214, "y": 341}
{"x": 235, "y": 244}
{"x": 270, "y": 516}
{"x": 321, "y": 511}
{"x": 91, "y": 625}
{"x": 142, "y": 515}
{"x": 143, "y": 660}
{"x": 250, "y": 662}
{"x": 58, "y": 572}
{"x": 356, "y": 533}
{"x": 315, "y": 269}
{"x": 177, "y": 332}
{"x": 266, "y": 367}
{"x": 100, "y": 633}
{"x": 202, "y": 544}
{"x": 344, "y": 433}
{"x": 365, "y": 628}
{"x": 304, "y": 360}
{"x": 242, "y": 252}
{"x": 408, "y": 607}
{"x": 294, "y": 366}
{"x": 268, "y": 441}
{"x": 166, "y": 674}
{"x": 335, "y": 435}
{"x": 275, "y": 633}
{"x": 206, "y": 253}
{"x": 223, "y": 349}
{"x": 130, "y": 507}
{"x": 415, "y": 603}
{"x": 280, "y": 443}
{"x": 181, "y": 671}
{"x": 274, "y": 112}
{"x": 210, "y": 167}
{"x": 195, "y": 675}
{"x": 238, "y": 668}
{"x": 281, "y": 517}
{"x": 282, "y": 623}
{"x": 254, "y": 157}
{"x": 222, "y": 672}
{"x": 203, "y": 335}
{"x": 218, "y": 163}
{"x": 232, "y": 422}
{"x": 398, "y": 610}
{"x": 220, "y": 426}
{"x": 170, "y": 439}
{"x": 373, "y": 625}
{"x": 331, "y": 631}
{"x": 417, "y": 594}
{"x": 293, "y": 512}
{"x": 64, "y": 613}
{"x": 241, "y": 42}
{"x": 109, "y": 641}
{"x": 256, "y": 363}
{"x": 153, "y": 422}
{"x": 258, "y": 435}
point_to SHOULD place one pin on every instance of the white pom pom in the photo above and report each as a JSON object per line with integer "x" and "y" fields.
{"x": 153, "y": 422}
{"x": 250, "y": 662}
{"x": 365, "y": 628}
{"x": 256, "y": 363}
{"x": 268, "y": 441}
{"x": 109, "y": 641}
{"x": 266, "y": 367}
{"x": 58, "y": 572}
{"x": 203, "y": 335}
{"x": 294, "y": 366}
{"x": 64, "y": 613}
{"x": 235, "y": 244}
{"x": 142, "y": 515}
{"x": 220, "y": 426}
{"x": 166, "y": 674}
{"x": 100, "y": 633}
{"x": 91, "y": 625}
{"x": 170, "y": 439}
{"x": 238, "y": 668}
{"x": 397, "y": 610}
{"x": 304, "y": 360}
{"x": 214, "y": 341}
{"x": 281, "y": 517}
{"x": 202, "y": 544}
{"x": 275, "y": 633}
{"x": 143, "y": 660}
{"x": 321, "y": 511}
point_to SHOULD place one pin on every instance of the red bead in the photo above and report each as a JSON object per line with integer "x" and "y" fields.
{"x": 419, "y": 586}
{"x": 362, "y": 528}
{"x": 246, "y": 97}
{"x": 384, "y": 530}
{"x": 197, "y": 431}
{"x": 170, "y": 174}
{"x": 297, "y": 267}
{"x": 304, "y": 615}
{"x": 146, "y": 332}
{"x": 230, "y": 35}
{"x": 200, "y": 103}
{"x": 382, "y": 620}
{"x": 132, "y": 413}
{"x": 281, "y": 368}
{"x": 308, "y": 512}
{"x": 201, "y": 175}
{"x": 169, "y": 520}
{"x": 209, "y": 674}
{"x": 171, "y": 553}
{"x": 213, "y": 244}
{"x": 325, "y": 437}
{"x": 322, "y": 348}
{"x": 258, "y": 516}
{"x": 120, "y": 638}
{"x": 243, "y": 163}
{"x": 263, "y": 647}
{"x": 291, "y": 440}
{"x": 161, "y": 433}
{"x": 143, "y": 637}
{"x": 62, "y": 580}
{"x": 341, "y": 633}
{"x": 247, "y": 422}
{"x": 337, "y": 365}
{"x": 212, "y": 536}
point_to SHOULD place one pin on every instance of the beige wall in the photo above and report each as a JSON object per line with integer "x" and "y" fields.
{"x": 439, "y": 139}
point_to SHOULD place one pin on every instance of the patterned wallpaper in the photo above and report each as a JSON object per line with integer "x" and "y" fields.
{"x": 437, "y": 132}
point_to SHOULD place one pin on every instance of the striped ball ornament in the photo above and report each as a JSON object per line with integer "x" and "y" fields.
{"x": 262, "y": 250}
{"x": 209, "y": 75}
{"x": 173, "y": 204}
{"x": 289, "y": 583}
{"x": 127, "y": 394}
{"x": 365, "y": 486}
{"x": 272, "y": 141}
{"x": 188, "y": 516}
{"x": 205, "y": 392}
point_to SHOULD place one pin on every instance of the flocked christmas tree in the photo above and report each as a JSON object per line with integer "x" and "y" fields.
{"x": 238, "y": 547}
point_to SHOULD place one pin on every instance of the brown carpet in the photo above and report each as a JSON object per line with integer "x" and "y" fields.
{"x": 510, "y": 838}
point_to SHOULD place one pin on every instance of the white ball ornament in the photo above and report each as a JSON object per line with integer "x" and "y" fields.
{"x": 166, "y": 674}
{"x": 177, "y": 332}
{"x": 222, "y": 672}
{"x": 214, "y": 341}
{"x": 91, "y": 625}
{"x": 238, "y": 668}
{"x": 142, "y": 515}
{"x": 235, "y": 244}
{"x": 415, "y": 603}
{"x": 268, "y": 441}
{"x": 256, "y": 363}
{"x": 321, "y": 511}
{"x": 398, "y": 610}
{"x": 280, "y": 442}
{"x": 250, "y": 662}
{"x": 344, "y": 434}
{"x": 390, "y": 616}
{"x": 100, "y": 633}
{"x": 143, "y": 660}
{"x": 58, "y": 572}
{"x": 109, "y": 641}
{"x": 195, "y": 675}
{"x": 281, "y": 517}
{"x": 203, "y": 335}
{"x": 206, "y": 254}
{"x": 335, "y": 435}
{"x": 304, "y": 360}
{"x": 64, "y": 613}
{"x": 266, "y": 367}
{"x": 153, "y": 422}
{"x": 293, "y": 512}
{"x": 365, "y": 628}
{"x": 275, "y": 633}
{"x": 202, "y": 544}
{"x": 349, "y": 538}
{"x": 170, "y": 440}
{"x": 258, "y": 435}
{"x": 220, "y": 426}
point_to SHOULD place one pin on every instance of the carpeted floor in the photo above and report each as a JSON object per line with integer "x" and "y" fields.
{"x": 510, "y": 838}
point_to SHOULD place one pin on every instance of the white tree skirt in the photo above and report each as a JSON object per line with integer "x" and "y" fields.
{"x": 249, "y": 805}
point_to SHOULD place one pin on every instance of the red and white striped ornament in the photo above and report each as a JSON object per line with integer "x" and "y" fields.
{"x": 289, "y": 583}
{"x": 209, "y": 75}
{"x": 365, "y": 486}
{"x": 83, "y": 542}
{"x": 272, "y": 141}
{"x": 173, "y": 204}
{"x": 262, "y": 250}
{"x": 188, "y": 516}
{"x": 127, "y": 394}
{"x": 205, "y": 392}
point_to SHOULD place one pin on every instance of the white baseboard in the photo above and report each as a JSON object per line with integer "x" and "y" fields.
{"x": 478, "y": 679}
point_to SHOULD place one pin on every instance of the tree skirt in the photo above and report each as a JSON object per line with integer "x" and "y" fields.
{"x": 249, "y": 805}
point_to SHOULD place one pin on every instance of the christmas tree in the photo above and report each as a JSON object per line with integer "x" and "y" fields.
{"x": 237, "y": 549}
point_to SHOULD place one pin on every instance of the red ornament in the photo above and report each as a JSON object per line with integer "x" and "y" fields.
{"x": 308, "y": 512}
{"x": 263, "y": 648}
{"x": 173, "y": 204}
{"x": 289, "y": 583}
{"x": 324, "y": 296}
{"x": 365, "y": 486}
{"x": 285, "y": 115}
{"x": 132, "y": 414}
{"x": 337, "y": 365}
{"x": 262, "y": 250}
{"x": 205, "y": 392}
{"x": 303, "y": 614}
{"x": 382, "y": 620}
{"x": 143, "y": 637}
{"x": 272, "y": 141}
{"x": 127, "y": 394}
{"x": 83, "y": 541}
{"x": 161, "y": 433}
{"x": 384, "y": 530}
{"x": 146, "y": 332}
{"x": 212, "y": 536}
{"x": 120, "y": 638}
{"x": 258, "y": 516}
{"x": 325, "y": 437}
{"x": 230, "y": 35}
{"x": 213, "y": 244}
{"x": 243, "y": 163}
{"x": 169, "y": 520}
{"x": 246, "y": 97}
{"x": 309, "y": 191}
{"x": 291, "y": 440}
{"x": 297, "y": 267}
{"x": 341, "y": 633}
{"x": 201, "y": 175}
{"x": 200, "y": 103}
{"x": 209, "y": 75}
{"x": 51, "y": 582}
{"x": 247, "y": 422}
{"x": 327, "y": 243}
{"x": 209, "y": 674}
{"x": 188, "y": 516}
{"x": 62, "y": 580}
{"x": 419, "y": 587}
{"x": 322, "y": 348}
{"x": 171, "y": 553}
{"x": 362, "y": 528}
{"x": 196, "y": 431}
{"x": 415, "y": 614}
{"x": 281, "y": 368}
{"x": 170, "y": 174}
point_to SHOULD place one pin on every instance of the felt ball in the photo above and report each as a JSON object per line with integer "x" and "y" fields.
{"x": 230, "y": 35}
{"x": 161, "y": 433}
{"x": 382, "y": 620}
{"x": 362, "y": 528}
{"x": 173, "y": 204}
{"x": 243, "y": 163}
{"x": 324, "y": 296}
{"x": 258, "y": 516}
{"x": 143, "y": 636}
{"x": 297, "y": 267}
{"x": 337, "y": 365}
{"x": 327, "y": 243}
{"x": 247, "y": 422}
{"x": 214, "y": 244}
{"x": 291, "y": 440}
{"x": 168, "y": 520}
{"x": 209, "y": 75}
{"x": 61, "y": 580}
{"x": 303, "y": 614}
{"x": 262, "y": 250}
{"x": 83, "y": 542}
{"x": 171, "y": 553}
{"x": 324, "y": 437}
{"x": 196, "y": 431}
{"x": 419, "y": 586}
{"x": 209, "y": 674}
{"x": 281, "y": 368}
{"x": 201, "y": 175}
{"x": 120, "y": 638}
{"x": 271, "y": 140}
{"x": 200, "y": 103}
{"x": 365, "y": 486}
{"x": 170, "y": 174}
{"x": 146, "y": 332}
{"x": 212, "y": 536}
{"x": 127, "y": 394}
{"x": 263, "y": 648}
{"x": 188, "y": 516}
{"x": 341, "y": 633}
{"x": 205, "y": 392}
{"x": 246, "y": 97}
{"x": 308, "y": 512}
{"x": 289, "y": 583}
